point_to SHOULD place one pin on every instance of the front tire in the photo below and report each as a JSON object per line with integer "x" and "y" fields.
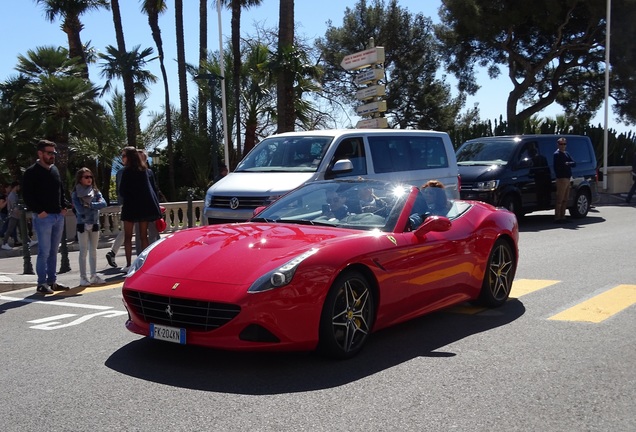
{"x": 500, "y": 272}
{"x": 513, "y": 204}
{"x": 347, "y": 316}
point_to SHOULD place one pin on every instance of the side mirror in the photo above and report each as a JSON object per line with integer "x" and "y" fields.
{"x": 341, "y": 166}
{"x": 432, "y": 224}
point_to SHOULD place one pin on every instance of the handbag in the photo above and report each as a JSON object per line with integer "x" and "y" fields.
{"x": 160, "y": 223}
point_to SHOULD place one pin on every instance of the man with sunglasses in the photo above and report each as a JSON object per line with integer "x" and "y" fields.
{"x": 563, "y": 164}
{"x": 43, "y": 194}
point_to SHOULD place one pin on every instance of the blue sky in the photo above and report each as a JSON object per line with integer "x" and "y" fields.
{"x": 25, "y": 27}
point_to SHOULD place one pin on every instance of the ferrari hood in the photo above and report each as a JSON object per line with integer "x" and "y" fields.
{"x": 235, "y": 253}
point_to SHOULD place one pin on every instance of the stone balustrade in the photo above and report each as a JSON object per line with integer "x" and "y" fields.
{"x": 176, "y": 218}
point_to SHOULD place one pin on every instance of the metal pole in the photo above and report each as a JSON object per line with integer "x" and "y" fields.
{"x": 607, "y": 66}
{"x": 226, "y": 139}
{"x": 26, "y": 252}
{"x": 65, "y": 265}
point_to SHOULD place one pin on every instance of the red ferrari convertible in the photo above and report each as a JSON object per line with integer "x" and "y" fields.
{"x": 322, "y": 268}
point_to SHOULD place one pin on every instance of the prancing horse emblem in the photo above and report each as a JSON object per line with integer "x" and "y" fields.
{"x": 234, "y": 203}
{"x": 169, "y": 312}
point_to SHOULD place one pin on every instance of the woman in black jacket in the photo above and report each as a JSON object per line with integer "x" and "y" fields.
{"x": 140, "y": 201}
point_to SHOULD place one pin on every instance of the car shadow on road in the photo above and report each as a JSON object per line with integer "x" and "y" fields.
{"x": 277, "y": 373}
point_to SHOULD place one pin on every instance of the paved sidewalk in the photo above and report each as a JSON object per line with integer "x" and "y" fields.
{"x": 13, "y": 265}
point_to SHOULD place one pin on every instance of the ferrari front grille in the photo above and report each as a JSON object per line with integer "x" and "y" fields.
{"x": 183, "y": 313}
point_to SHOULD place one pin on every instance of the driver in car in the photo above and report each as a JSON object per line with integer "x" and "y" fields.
{"x": 336, "y": 207}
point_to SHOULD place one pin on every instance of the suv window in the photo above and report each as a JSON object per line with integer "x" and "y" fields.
{"x": 390, "y": 154}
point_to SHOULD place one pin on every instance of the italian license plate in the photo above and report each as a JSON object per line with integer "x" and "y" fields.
{"x": 169, "y": 334}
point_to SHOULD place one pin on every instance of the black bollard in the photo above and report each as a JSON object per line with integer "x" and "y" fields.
{"x": 26, "y": 252}
{"x": 65, "y": 265}
{"x": 190, "y": 213}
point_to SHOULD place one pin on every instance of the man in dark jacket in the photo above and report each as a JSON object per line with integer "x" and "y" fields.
{"x": 563, "y": 164}
{"x": 43, "y": 194}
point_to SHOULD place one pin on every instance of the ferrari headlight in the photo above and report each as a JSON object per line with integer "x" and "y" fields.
{"x": 487, "y": 185}
{"x": 280, "y": 276}
{"x": 141, "y": 258}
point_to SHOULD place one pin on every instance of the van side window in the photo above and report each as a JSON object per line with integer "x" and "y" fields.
{"x": 352, "y": 149}
{"x": 391, "y": 154}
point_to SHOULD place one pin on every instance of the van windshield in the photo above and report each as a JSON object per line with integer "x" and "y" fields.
{"x": 286, "y": 154}
{"x": 485, "y": 153}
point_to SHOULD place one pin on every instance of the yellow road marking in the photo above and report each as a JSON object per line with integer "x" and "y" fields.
{"x": 87, "y": 290}
{"x": 522, "y": 287}
{"x": 600, "y": 307}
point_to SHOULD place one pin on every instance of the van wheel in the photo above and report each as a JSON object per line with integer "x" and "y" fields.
{"x": 581, "y": 204}
{"x": 512, "y": 203}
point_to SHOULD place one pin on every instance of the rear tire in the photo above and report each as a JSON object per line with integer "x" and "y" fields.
{"x": 347, "y": 316}
{"x": 581, "y": 205}
{"x": 500, "y": 272}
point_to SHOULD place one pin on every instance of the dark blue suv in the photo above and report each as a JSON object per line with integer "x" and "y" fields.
{"x": 516, "y": 172}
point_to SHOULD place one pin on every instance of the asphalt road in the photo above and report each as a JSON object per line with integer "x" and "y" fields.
{"x": 533, "y": 364}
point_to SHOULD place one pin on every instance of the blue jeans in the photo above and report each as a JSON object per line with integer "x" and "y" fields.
{"x": 49, "y": 232}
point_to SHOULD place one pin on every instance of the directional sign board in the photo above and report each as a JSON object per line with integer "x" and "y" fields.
{"x": 371, "y": 92}
{"x": 370, "y": 108}
{"x": 363, "y": 58}
{"x": 368, "y": 75}
{"x": 373, "y": 123}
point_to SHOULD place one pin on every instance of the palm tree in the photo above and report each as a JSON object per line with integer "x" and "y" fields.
{"x": 55, "y": 98}
{"x": 116, "y": 64}
{"x": 236, "y": 6}
{"x": 48, "y": 61}
{"x": 153, "y": 8}
{"x": 126, "y": 76}
{"x": 16, "y": 139}
{"x": 258, "y": 92}
{"x": 285, "y": 83}
{"x": 65, "y": 106}
{"x": 131, "y": 66}
{"x": 70, "y": 11}
{"x": 181, "y": 63}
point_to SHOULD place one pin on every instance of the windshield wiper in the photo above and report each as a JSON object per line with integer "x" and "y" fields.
{"x": 305, "y": 222}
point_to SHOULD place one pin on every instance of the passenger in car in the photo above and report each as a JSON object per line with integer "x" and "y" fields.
{"x": 436, "y": 198}
{"x": 368, "y": 202}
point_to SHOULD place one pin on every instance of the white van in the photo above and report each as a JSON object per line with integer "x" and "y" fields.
{"x": 285, "y": 161}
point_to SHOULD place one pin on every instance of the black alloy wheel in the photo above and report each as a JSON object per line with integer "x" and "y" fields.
{"x": 347, "y": 316}
{"x": 500, "y": 272}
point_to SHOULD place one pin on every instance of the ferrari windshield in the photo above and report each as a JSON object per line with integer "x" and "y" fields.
{"x": 357, "y": 204}
{"x": 286, "y": 154}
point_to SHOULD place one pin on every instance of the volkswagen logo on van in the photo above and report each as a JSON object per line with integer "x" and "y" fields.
{"x": 234, "y": 203}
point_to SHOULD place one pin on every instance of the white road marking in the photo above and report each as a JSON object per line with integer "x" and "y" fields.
{"x": 55, "y": 303}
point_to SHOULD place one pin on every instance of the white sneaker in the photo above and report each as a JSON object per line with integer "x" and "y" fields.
{"x": 6, "y": 247}
{"x": 96, "y": 280}
{"x": 84, "y": 281}
{"x": 33, "y": 243}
